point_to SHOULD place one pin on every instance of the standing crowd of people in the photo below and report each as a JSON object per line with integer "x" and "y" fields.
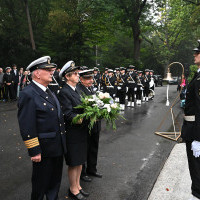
{"x": 46, "y": 108}
{"x": 12, "y": 81}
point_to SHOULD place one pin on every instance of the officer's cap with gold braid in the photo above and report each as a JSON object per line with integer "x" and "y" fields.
{"x": 198, "y": 48}
{"x": 41, "y": 63}
{"x": 68, "y": 67}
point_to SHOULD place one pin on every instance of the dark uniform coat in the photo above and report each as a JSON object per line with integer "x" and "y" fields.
{"x": 9, "y": 89}
{"x": 191, "y": 130}
{"x": 76, "y": 133}
{"x": 131, "y": 83}
{"x": 42, "y": 129}
{"x": 93, "y": 139}
{"x": 111, "y": 85}
{"x": 15, "y": 74}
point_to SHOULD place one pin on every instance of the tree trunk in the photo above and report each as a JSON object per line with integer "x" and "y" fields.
{"x": 136, "y": 40}
{"x": 30, "y": 25}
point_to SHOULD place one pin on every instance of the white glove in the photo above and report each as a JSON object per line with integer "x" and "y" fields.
{"x": 195, "y": 147}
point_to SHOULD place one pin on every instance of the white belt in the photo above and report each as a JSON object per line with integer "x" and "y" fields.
{"x": 110, "y": 86}
{"x": 190, "y": 118}
{"x": 131, "y": 82}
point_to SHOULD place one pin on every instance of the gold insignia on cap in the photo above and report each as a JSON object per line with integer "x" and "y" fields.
{"x": 48, "y": 61}
{"x": 73, "y": 64}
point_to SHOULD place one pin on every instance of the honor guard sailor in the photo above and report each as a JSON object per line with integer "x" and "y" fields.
{"x": 121, "y": 87}
{"x": 191, "y": 126}
{"x": 140, "y": 87}
{"x": 117, "y": 73}
{"x": 132, "y": 86}
{"x": 146, "y": 81}
{"x": 97, "y": 79}
{"x": 111, "y": 83}
{"x": 103, "y": 79}
{"x": 42, "y": 129}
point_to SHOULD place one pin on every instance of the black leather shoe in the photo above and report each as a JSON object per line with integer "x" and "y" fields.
{"x": 96, "y": 174}
{"x": 86, "y": 178}
{"x": 78, "y": 196}
{"x": 86, "y": 194}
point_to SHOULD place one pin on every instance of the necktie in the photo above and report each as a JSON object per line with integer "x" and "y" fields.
{"x": 48, "y": 91}
{"x": 77, "y": 91}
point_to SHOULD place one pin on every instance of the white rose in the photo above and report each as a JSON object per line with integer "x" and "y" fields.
{"x": 114, "y": 105}
{"x": 106, "y": 95}
{"x": 108, "y": 107}
{"x": 101, "y": 95}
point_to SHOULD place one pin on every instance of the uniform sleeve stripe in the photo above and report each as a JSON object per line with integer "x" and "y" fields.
{"x": 32, "y": 143}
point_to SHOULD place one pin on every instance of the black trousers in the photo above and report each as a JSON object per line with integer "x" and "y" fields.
{"x": 15, "y": 86}
{"x": 194, "y": 167}
{"x": 9, "y": 92}
{"x": 46, "y": 178}
{"x": 122, "y": 96}
{"x": 146, "y": 91}
{"x": 131, "y": 94}
{"x": 92, "y": 153}
{"x": 139, "y": 94}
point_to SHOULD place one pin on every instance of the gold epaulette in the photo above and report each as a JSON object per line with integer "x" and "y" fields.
{"x": 32, "y": 143}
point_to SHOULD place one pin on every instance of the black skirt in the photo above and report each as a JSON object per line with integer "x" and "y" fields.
{"x": 76, "y": 140}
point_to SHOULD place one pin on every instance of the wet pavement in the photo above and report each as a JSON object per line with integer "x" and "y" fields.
{"x": 130, "y": 158}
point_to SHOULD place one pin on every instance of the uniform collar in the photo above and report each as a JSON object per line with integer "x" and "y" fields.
{"x": 40, "y": 86}
{"x": 73, "y": 88}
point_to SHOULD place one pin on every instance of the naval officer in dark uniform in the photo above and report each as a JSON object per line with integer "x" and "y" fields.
{"x": 76, "y": 156}
{"x": 191, "y": 126}
{"x": 86, "y": 88}
{"x": 42, "y": 129}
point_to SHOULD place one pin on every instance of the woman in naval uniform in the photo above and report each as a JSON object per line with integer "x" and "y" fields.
{"x": 76, "y": 134}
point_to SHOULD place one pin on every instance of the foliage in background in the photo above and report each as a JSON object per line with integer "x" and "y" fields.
{"x": 148, "y": 34}
{"x": 193, "y": 69}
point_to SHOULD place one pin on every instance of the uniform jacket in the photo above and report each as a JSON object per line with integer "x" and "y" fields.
{"x": 41, "y": 122}
{"x": 69, "y": 99}
{"x": 191, "y": 130}
{"x": 131, "y": 80}
{"x": 8, "y": 78}
{"x": 97, "y": 78}
{"x": 122, "y": 82}
{"x": 84, "y": 90}
{"x": 146, "y": 81}
{"x": 16, "y": 76}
